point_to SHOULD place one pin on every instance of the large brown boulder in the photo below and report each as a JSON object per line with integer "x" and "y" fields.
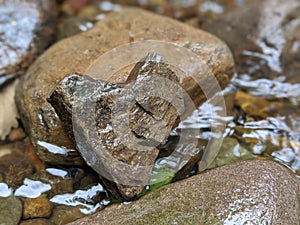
{"x": 249, "y": 192}
{"x": 77, "y": 53}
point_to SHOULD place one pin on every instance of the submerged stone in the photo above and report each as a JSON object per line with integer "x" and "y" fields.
{"x": 257, "y": 106}
{"x": 230, "y": 152}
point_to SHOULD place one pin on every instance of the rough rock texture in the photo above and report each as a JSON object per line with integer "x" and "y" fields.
{"x": 37, "y": 207}
{"x": 250, "y": 192}
{"x": 37, "y": 221}
{"x": 79, "y": 52}
{"x": 120, "y": 151}
{"x": 10, "y": 210}
{"x": 15, "y": 169}
{"x": 27, "y": 28}
{"x": 64, "y": 214}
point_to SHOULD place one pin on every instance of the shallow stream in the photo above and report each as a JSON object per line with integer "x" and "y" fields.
{"x": 262, "y": 121}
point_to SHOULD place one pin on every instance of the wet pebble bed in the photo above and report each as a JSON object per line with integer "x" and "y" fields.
{"x": 262, "y": 121}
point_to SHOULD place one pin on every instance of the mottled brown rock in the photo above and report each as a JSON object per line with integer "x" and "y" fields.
{"x": 150, "y": 120}
{"x": 37, "y": 222}
{"x": 30, "y": 156}
{"x": 66, "y": 214}
{"x": 27, "y": 28}
{"x": 10, "y": 210}
{"x": 15, "y": 169}
{"x": 79, "y": 52}
{"x": 37, "y": 207}
{"x": 203, "y": 11}
{"x": 16, "y": 134}
{"x": 256, "y": 106}
{"x": 254, "y": 192}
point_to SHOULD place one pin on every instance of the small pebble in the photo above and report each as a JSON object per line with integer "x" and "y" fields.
{"x": 37, "y": 207}
{"x": 16, "y": 134}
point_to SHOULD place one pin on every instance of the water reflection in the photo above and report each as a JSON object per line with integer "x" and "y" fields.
{"x": 211, "y": 6}
{"x": 86, "y": 198}
{"x": 32, "y": 189}
{"x": 275, "y": 132}
{"x": 5, "y": 191}
{"x": 264, "y": 120}
{"x": 53, "y": 148}
{"x": 57, "y": 172}
{"x": 107, "y": 6}
{"x": 205, "y": 116}
{"x": 200, "y": 138}
{"x": 271, "y": 89}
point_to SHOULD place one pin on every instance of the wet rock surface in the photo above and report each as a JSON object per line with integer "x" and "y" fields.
{"x": 15, "y": 169}
{"x": 59, "y": 185}
{"x": 27, "y": 28}
{"x": 10, "y": 210}
{"x": 198, "y": 10}
{"x": 263, "y": 122}
{"x": 114, "y": 140}
{"x": 65, "y": 214}
{"x": 39, "y": 118}
{"x": 36, "y": 221}
{"x": 266, "y": 43}
{"x": 257, "y": 106}
{"x": 37, "y": 207}
{"x": 256, "y": 192}
{"x": 16, "y": 134}
{"x": 80, "y": 16}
